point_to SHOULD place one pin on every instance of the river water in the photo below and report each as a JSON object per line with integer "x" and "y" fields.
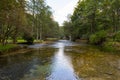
{"x": 61, "y": 60}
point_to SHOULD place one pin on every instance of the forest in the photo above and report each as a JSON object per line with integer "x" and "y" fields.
{"x": 35, "y": 46}
{"x": 26, "y": 19}
{"x": 97, "y": 21}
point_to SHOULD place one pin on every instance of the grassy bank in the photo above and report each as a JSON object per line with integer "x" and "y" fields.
{"x": 35, "y": 41}
{"x": 111, "y": 46}
{"x": 14, "y": 47}
{"x": 107, "y": 46}
{"x": 7, "y": 47}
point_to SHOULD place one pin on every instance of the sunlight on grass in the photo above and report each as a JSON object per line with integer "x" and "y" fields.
{"x": 21, "y": 41}
{"x": 38, "y": 41}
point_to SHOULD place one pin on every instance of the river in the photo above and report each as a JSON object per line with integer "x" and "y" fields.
{"x": 61, "y": 60}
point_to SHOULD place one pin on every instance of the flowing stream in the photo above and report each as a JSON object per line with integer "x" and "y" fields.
{"x": 62, "y": 68}
{"x": 61, "y": 60}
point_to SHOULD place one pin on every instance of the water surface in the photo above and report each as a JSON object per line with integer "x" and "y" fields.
{"x": 62, "y": 60}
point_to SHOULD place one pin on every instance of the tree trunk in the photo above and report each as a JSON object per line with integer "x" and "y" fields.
{"x": 37, "y": 36}
{"x": 114, "y": 22}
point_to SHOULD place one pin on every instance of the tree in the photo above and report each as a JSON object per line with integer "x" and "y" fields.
{"x": 31, "y": 18}
{"x": 7, "y": 19}
{"x": 93, "y": 16}
{"x": 43, "y": 23}
{"x": 67, "y": 29}
{"x": 20, "y": 19}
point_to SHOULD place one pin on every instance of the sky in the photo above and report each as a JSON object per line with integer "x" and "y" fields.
{"x": 61, "y": 8}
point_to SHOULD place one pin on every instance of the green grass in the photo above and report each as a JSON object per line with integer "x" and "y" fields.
{"x": 7, "y": 47}
{"x": 51, "y": 39}
{"x": 21, "y": 41}
{"x": 111, "y": 46}
{"x": 38, "y": 41}
{"x": 9, "y": 41}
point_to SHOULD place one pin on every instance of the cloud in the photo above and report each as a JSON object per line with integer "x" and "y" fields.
{"x": 61, "y": 14}
{"x": 61, "y": 8}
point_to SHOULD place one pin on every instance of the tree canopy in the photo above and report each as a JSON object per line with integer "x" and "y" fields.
{"x": 92, "y": 16}
{"x": 32, "y": 18}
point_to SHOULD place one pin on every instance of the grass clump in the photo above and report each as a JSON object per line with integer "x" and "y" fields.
{"x": 117, "y": 36}
{"x": 7, "y": 47}
{"x": 111, "y": 46}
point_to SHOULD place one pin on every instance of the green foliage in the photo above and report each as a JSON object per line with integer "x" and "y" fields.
{"x": 97, "y": 21}
{"x": 41, "y": 20}
{"x": 111, "y": 46}
{"x": 12, "y": 19}
{"x": 117, "y": 36}
{"x": 28, "y": 38}
{"x": 67, "y": 28}
{"x": 23, "y": 16}
{"x": 61, "y": 32}
{"x": 98, "y": 37}
{"x": 6, "y": 47}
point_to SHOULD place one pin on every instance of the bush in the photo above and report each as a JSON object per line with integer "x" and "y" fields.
{"x": 28, "y": 38}
{"x": 98, "y": 37}
{"x": 108, "y": 46}
{"x": 117, "y": 36}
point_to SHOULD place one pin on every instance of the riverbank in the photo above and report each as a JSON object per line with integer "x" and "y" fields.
{"x": 11, "y": 49}
{"x": 8, "y": 48}
{"x": 108, "y": 46}
{"x": 80, "y": 61}
{"x": 111, "y": 46}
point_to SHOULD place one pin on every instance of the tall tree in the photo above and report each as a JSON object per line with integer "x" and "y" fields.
{"x": 92, "y": 16}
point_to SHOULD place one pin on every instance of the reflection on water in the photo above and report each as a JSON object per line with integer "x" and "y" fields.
{"x": 93, "y": 64}
{"x": 62, "y": 60}
{"x": 62, "y": 68}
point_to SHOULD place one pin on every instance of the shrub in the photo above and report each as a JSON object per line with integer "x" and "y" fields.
{"x": 98, "y": 37}
{"x": 117, "y": 36}
{"x": 28, "y": 38}
{"x": 108, "y": 46}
